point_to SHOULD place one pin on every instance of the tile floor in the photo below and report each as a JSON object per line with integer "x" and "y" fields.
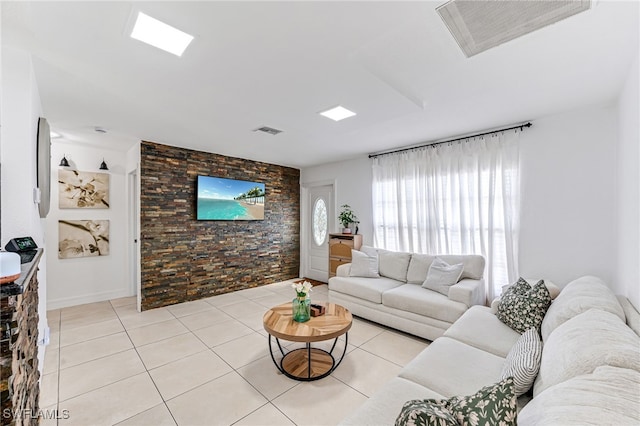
{"x": 202, "y": 363}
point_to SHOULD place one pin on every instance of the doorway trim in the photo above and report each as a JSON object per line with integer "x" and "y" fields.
{"x": 133, "y": 241}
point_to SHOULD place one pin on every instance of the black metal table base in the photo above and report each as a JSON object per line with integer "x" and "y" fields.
{"x": 309, "y": 351}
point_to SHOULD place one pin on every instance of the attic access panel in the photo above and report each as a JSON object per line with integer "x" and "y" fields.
{"x": 479, "y": 25}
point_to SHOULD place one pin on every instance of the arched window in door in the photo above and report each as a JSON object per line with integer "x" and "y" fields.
{"x": 319, "y": 224}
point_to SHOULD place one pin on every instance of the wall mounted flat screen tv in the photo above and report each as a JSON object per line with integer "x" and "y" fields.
{"x": 229, "y": 199}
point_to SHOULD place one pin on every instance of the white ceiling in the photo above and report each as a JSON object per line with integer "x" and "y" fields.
{"x": 277, "y": 64}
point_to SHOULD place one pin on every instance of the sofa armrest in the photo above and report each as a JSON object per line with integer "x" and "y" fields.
{"x": 468, "y": 291}
{"x": 343, "y": 270}
{"x": 494, "y": 305}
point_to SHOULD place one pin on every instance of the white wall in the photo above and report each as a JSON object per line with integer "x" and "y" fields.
{"x": 352, "y": 186}
{"x": 19, "y": 128}
{"x": 628, "y": 185}
{"x": 568, "y": 165}
{"x": 568, "y": 195}
{"x": 89, "y": 279}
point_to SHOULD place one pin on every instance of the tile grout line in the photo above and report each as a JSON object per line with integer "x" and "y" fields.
{"x": 148, "y": 374}
{"x": 59, "y": 363}
{"x": 269, "y": 401}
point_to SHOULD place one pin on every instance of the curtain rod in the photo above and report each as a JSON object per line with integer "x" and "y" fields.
{"x": 520, "y": 126}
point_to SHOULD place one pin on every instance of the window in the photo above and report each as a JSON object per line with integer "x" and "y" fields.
{"x": 452, "y": 199}
{"x": 319, "y": 224}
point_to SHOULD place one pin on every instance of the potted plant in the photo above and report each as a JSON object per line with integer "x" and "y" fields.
{"x": 347, "y": 217}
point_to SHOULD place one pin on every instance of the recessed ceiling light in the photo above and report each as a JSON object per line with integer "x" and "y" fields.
{"x": 338, "y": 113}
{"x": 54, "y": 135}
{"x": 160, "y": 35}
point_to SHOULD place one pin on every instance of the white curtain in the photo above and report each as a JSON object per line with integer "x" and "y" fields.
{"x": 453, "y": 198}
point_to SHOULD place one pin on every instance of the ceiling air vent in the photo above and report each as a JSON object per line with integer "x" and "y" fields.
{"x": 479, "y": 25}
{"x": 269, "y": 130}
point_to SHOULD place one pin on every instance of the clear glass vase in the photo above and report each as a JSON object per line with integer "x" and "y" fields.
{"x": 301, "y": 309}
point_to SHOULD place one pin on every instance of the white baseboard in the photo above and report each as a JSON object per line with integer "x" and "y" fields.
{"x": 88, "y": 298}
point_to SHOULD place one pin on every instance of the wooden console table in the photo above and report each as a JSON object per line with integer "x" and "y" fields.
{"x": 340, "y": 246}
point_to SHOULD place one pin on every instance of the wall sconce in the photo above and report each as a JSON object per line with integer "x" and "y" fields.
{"x": 103, "y": 165}
{"x": 64, "y": 162}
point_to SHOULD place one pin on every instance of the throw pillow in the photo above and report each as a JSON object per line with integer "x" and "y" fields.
{"x": 363, "y": 265}
{"x": 425, "y": 412}
{"x": 554, "y": 290}
{"x": 441, "y": 276}
{"x": 523, "y": 361}
{"x": 523, "y": 307}
{"x": 492, "y": 405}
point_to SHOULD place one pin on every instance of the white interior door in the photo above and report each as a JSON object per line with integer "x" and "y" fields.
{"x": 320, "y": 220}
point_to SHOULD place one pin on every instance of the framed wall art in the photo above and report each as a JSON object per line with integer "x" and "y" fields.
{"x": 83, "y": 238}
{"x": 83, "y": 190}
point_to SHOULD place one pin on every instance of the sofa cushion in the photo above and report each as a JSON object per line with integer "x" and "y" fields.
{"x": 441, "y": 276}
{"x": 608, "y": 396}
{"x": 370, "y": 289}
{"x": 451, "y": 368}
{"x": 523, "y": 361}
{"x": 385, "y": 404}
{"x": 494, "y": 404}
{"x": 582, "y": 344}
{"x": 523, "y": 307}
{"x": 363, "y": 265}
{"x": 415, "y": 299}
{"x": 480, "y": 328}
{"x": 579, "y": 296}
{"x": 393, "y": 264}
{"x": 473, "y": 264}
{"x": 420, "y": 263}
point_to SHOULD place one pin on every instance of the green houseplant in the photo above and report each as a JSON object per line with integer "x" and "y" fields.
{"x": 347, "y": 217}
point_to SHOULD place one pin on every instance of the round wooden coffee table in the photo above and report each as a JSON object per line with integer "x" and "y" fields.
{"x": 307, "y": 363}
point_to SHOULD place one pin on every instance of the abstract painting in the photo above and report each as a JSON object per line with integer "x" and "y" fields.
{"x": 83, "y": 190}
{"x": 82, "y": 238}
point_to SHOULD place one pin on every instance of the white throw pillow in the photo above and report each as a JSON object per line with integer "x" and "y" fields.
{"x": 369, "y": 251}
{"x": 441, "y": 276}
{"x": 363, "y": 265}
{"x": 523, "y": 361}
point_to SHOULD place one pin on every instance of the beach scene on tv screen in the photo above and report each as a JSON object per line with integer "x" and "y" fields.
{"x": 229, "y": 199}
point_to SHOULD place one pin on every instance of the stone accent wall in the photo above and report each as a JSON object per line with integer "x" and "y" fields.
{"x": 184, "y": 259}
{"x": 19, "y": 385}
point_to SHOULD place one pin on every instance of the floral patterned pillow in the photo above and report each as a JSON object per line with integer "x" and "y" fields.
{"x": 523, "y": 307}
{"x": 492, "y": 405}
{"x": 422, "y": 412}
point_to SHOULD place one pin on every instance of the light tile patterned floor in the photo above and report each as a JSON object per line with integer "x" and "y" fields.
{"x": 202, "y": 363}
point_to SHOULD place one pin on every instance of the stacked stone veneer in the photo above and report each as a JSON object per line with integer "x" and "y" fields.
{"x": 184, "y": 259}
{"x": 19, "y": 356}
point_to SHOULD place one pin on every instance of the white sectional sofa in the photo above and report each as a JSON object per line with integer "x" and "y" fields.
{"x": 397, "y": 299}
{"x": 589, "y": 370}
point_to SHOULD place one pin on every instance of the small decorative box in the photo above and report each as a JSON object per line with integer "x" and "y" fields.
{"x": 317, "y": 310}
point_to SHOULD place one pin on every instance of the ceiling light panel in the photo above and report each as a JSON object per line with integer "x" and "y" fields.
{"x": 158, "y": 34}
{"x": 338, "y": 113}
